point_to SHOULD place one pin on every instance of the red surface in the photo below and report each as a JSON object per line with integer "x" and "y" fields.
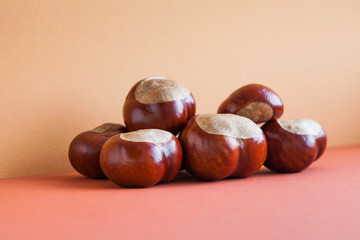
{"x": 323, "y": 202}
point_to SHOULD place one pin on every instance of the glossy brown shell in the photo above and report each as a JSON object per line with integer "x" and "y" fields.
{"x": 84, "y": 150}
{"x": 213, "y": 157}
{"x": 140, "y": 164}
{"x": 169, "y": 116}
{"x": 252, "y": 93}
{"x": 288, "y": 152}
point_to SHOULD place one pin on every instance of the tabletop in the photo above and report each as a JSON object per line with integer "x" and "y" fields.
{"x": 322, "y": 202}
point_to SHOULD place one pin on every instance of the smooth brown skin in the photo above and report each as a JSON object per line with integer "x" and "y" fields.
{"x": 140, "y": 164}
{"x": 84, "y": 150}
{"x": 169, "y": 116}
{"x": 288, "y": 152}
{"x": 252, "y": 93}
{"x": 213, "y": 157}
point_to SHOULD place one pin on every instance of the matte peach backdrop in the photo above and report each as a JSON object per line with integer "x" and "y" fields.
{"x": 66, "y": 66}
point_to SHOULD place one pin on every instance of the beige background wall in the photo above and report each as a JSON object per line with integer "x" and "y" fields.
{"x": 66, "y": 66}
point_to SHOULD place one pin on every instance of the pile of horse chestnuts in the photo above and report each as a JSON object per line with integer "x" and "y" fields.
{"x": 230, "y": 143}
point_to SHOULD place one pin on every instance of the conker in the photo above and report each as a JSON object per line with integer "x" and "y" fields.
{"x": 254, "y": 101}
{"x": 293, "y": 145}
{"x": 84, "y": 150}
{"x": 141, "y": 158}
{"x": 160, "y": 103}
{"x": 218, "y": 146}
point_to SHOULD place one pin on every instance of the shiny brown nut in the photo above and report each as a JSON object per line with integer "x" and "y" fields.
{"x": 160, "y": 103}
{"x": 254, "y": 101}
{"x": 293, "y": 145}
{"x": 84, "y": 150}
{"x": 141, "y": 158}
{"x": 218, "y": 146}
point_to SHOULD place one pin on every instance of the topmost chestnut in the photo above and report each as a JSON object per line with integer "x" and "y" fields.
{"x": 160, "y": 103}
{"x": 254, "y": 101}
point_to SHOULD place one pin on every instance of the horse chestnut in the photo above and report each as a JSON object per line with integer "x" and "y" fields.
{"x": 160, "y": 103}
{"x": 84, "y": 150}
{"x": 141, "y": 158}
{"x": 254, "y": 101}
{"x": 293, "y": 145}
{"x": 218, "y": 146}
